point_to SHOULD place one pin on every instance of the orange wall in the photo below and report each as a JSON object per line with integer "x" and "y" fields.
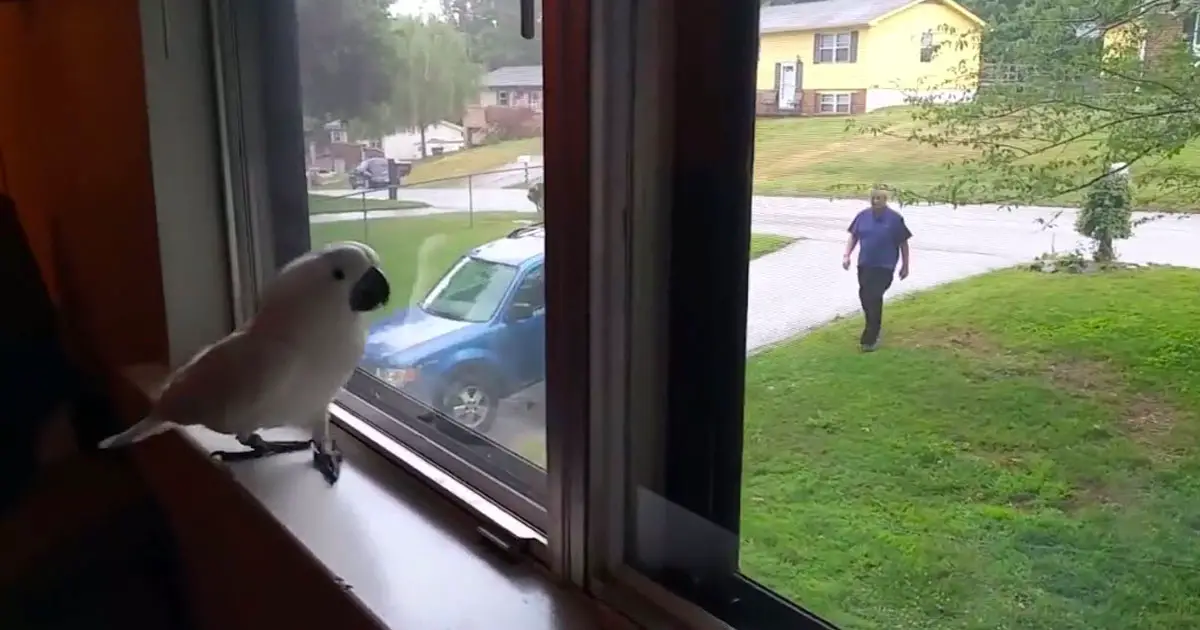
{"x": 75, "y": 145}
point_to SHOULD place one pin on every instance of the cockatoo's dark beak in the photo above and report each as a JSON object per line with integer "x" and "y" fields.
{"x": 370, "y": 292}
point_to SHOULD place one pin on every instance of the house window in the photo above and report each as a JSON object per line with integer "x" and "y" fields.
{"x": 338, "y": 135}
{"x": 503, "y": 99}
{"x": 833, "y": 48}
{"x": 535, "y": 101}
{"x": 835, "y": 103}
{"x": 927, "y": 46}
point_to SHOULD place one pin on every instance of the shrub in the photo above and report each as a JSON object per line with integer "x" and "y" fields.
{"x": 1106, "y": 215}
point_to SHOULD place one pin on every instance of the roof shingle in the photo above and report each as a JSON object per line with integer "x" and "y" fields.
{"x": 824, "y": 14}
{"x": 514, "y": 76}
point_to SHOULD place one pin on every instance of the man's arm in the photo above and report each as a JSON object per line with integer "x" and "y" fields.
{"x": 852, "y": 242}
{"x": 903, "y": 236}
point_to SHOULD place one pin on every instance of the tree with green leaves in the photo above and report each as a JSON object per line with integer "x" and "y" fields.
{"x": 435, "y": 79}
{"x": 493, "y": 31}
{"x": 347, "y": 60}
{"x": 1088, "y": 96}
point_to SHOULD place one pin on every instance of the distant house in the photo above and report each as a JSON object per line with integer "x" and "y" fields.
{"x": 443, "y": 137}
{"x": 512, "y": 86}
{"x": 855, "y": 56}
{"x": 1154, "y": 33}
{"x": 509, "y": 105}
{"x": 330, "y": 149}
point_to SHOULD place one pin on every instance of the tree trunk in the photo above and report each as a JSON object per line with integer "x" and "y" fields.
{"x": 1104, "y": 250}
{"x": 424, "y": 149}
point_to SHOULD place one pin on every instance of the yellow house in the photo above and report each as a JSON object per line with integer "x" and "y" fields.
{"x": 855, "y": 56}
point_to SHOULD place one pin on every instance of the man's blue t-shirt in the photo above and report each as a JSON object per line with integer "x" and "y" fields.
{"x": 879, "y": 237}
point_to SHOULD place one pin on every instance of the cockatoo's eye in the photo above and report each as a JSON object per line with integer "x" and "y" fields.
{"x": 338, "y": 274}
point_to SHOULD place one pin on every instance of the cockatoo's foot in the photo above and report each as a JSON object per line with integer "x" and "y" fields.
{"x": 342, "y": 583}
{"x": 260, "y": 448}
{"x": 328, "y": 461}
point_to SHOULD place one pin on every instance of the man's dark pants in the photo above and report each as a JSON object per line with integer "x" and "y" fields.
{"x": 873, "y": 282}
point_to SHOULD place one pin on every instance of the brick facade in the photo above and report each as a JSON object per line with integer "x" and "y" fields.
{"x": 1163, "y": 31}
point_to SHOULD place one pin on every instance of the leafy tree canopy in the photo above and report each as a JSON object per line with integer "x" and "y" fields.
{"x": 347, "y": 60}
{"x": 434, "y": 79}
{"x": 493, "y": 31}
{"x": 1084, "y": 99}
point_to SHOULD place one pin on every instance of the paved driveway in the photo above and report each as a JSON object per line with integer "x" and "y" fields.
{"x": 803, "y": 285}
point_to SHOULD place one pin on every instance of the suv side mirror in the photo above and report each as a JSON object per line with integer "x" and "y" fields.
{"x": 521, "y": 311}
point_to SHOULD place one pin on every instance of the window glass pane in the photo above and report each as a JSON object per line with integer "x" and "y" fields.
{"x": 969, "y": 403}
{"x": 450, "y": 94}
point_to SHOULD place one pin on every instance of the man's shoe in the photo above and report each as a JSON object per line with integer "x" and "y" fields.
{"x": 870, "y": 347}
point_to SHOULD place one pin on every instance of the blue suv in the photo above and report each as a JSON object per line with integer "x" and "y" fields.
{"x": 478, "y": 336}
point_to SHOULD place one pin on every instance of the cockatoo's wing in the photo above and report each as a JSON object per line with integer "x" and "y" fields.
{"x": 225, "y": 387}
{"x": 222, "y": 388}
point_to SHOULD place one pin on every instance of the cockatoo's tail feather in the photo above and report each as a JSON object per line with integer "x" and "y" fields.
{"x": 138, "y": 432}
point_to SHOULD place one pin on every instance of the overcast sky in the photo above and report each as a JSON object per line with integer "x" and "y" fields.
{"x": 416, "y": 7}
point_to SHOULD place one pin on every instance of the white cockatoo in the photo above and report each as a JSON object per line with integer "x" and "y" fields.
{"x": 284, "y": 366}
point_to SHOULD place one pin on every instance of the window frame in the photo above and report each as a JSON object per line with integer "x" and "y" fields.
{"x": 602, "y": 393}
{"x": 927, "y": 46}
{"x": 256, "y": 69}
{"x": 645, "y": 356}
{"x": 503, "y": 98}
{"x": 835, "y": 47}
{"x": 837, "y": 97}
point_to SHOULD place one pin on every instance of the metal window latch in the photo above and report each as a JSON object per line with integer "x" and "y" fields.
{"x": 527, "y": 19}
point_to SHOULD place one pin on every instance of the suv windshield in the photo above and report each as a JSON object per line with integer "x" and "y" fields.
{"x": 471, "y": 291}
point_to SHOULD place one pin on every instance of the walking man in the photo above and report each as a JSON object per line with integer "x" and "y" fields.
{"x": 882, "y": 240}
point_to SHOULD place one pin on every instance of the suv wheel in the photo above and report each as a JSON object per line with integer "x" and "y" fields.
{"x": 470, "y": 400}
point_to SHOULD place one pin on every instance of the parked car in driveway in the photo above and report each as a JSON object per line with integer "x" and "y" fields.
{"x": 478, "y": 336}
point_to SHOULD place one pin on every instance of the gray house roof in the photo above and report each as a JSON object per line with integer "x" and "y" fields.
{"x": 824, "y": 14}
{"x": 514, "y": 76}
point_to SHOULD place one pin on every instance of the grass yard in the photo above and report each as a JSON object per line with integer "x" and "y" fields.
{"x": 322, "y": 204}
{"x": 398, "y": 240}
{"x": 1021, "y": 453}
{"x": 763, "y": 244}
{"x": 819, "y": 156}
{"x": 474, "y": 160}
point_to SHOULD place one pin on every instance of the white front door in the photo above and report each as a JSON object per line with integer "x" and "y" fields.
{"x": 787, "y": 85}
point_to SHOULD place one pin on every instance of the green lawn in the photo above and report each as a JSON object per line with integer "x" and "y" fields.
{"x": 474, "y": 160}
{"x": 398, "y": 240}
{"x": 763, "y": 244}
{"x": 1021, "y": 453}
{"x": 321, "y": 204}
{"x": 815, "y": 156}
{"x": 449, "y": 236}
{"x": 820, "y": 156}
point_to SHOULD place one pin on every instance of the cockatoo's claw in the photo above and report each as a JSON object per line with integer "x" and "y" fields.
{"x": 329, "y": 463}
{"x": 237, "y": 456}
{"x": 342, "y": 583}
